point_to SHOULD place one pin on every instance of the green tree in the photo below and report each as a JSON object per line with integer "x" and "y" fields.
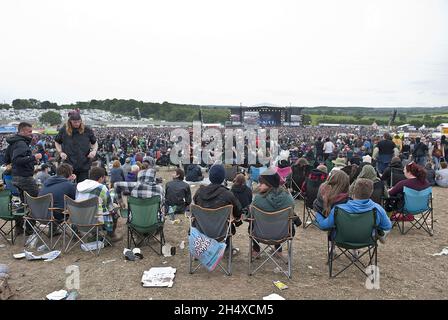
{"x": 51, "y": 117}
{"x": 306, "y": 119}
{"x": 402, "y": 117}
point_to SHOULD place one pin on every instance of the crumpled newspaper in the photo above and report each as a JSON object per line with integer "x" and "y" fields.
{"x": 444, "y": 252}
{"x": 50, "y": 256}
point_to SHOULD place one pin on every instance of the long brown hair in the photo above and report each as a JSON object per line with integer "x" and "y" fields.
{"x": 69, "y": 128}
{"x": 338, "y": 183}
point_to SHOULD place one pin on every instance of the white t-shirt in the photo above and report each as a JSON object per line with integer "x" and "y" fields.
{"x": 328, "y": 147}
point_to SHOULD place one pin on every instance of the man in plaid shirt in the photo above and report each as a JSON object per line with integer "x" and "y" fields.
{"x": 145, "y": 187}
{"x": 94, "y": 187}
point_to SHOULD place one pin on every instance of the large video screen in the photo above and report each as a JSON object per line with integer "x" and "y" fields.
{"x": 270, "y": 118}
{"x": 251, "y": 117}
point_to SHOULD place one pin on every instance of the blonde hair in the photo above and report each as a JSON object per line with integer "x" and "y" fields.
{"x": 69, "y": 128}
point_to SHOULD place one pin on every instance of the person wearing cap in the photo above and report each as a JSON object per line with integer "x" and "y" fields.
{"x": 77, "y": 145}
{"x": 215, "y": 195}
{"x": 270, "y": 197}
{"x": 42, "y": 175}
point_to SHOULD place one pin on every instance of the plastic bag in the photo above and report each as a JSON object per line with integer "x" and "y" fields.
{"x": 207, "y": 250}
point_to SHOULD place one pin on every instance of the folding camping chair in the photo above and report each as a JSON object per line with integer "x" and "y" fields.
{"x": 296, "y": 179}
{"x": 312, "y": 188}
{"x": 396, "y": 175}
{"x": 284, "y": 173}
{"x": 216, "y": 224}
{"x": 354, "y": 231}
{"x": 255, "y": 173}
{"x": 270, "y": 229}
{"x": 40, "y": 217}
{"x": 82, "y": 221}
{"x": 8, "y": 213}
{"x": 417, "y": 210}
{"x": 145, "y": 222}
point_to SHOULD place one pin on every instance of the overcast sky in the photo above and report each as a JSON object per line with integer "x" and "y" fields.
{"x": 307, "y": 53}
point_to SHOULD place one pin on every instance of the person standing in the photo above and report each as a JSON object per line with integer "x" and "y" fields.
{"x": 19, "y": 154}
{"x": 77, "y": 145}
{"x": 385, "y": 152}
{"x": 328, "y": 148}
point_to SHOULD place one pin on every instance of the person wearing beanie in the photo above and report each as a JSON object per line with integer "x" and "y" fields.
{"x": 215, "y": 195}
{"x": 270, "y": 197}
{"x": 76, "y": 145}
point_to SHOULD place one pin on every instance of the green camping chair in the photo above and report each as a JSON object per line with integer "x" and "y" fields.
{"x": 40, "y": 217}
{"x": 8, "y": 213}
{"x": 82, "y": 222}
{"x": 216, "y": 224}
{"x": 145, "y": 222}
{"x": 354, "y": 231}
{"x": 268, "y": 229}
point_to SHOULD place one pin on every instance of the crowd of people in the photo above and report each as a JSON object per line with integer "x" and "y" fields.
{"x": 354, "y": 169}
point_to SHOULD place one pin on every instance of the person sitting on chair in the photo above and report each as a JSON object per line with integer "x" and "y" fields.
{"x": 60, "y": 185}
{"x": 332, "y": 192}
{"x": 94, "y": 187}
{"x": 194, "y": 173}
{"x": 394, "y": 172}
{"x": 442, "y": 175}
{"x": 379, "y": 188}
{"x": 361, "y": 203}
{"x": 271, "y": 197}
{"x": 415, "y": 179}
{"x": 178, "y": 192}
{"x": 215, "y": 195}
{"x": 241, "y": 191}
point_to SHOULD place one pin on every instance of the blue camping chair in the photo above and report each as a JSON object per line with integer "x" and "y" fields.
{"x": 255, "y": 174}
{"x": 417, "y": 210}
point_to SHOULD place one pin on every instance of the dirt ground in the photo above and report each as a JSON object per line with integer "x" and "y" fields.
{"x": 407, "y": 268}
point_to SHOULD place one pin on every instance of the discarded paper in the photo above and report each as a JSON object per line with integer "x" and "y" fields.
{"x": 50, "y": 256}
{"x": 444, "y": 252}
{"x": 57, "y": 295}
{"x": 280, "y": 285}
{"x": 273, "y": 296}
{"x": 159, "y": 277}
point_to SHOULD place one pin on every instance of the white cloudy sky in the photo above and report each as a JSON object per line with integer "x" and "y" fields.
{"x": 338, "y": 53}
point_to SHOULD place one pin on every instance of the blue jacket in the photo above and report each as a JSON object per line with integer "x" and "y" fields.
{"x": 356, "y": 206}
{"x": 58, "y": 186}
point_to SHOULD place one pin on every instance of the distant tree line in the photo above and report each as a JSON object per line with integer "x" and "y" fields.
{"x": 158, "y": 111}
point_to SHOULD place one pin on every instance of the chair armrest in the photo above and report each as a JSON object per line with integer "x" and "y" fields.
{"x": 19, "y": 214}
{"x": 54, "y": 209}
